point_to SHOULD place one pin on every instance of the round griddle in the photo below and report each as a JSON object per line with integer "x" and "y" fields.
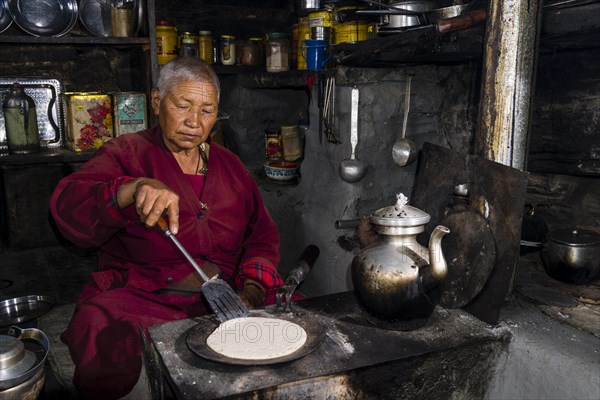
{"x": 315, "y": 334}
{"x": 470, "y": 251}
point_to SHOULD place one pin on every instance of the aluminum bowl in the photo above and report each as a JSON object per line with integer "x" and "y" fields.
{"x": 281, "y": 170}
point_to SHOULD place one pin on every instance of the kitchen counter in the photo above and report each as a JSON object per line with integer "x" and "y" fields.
{"x": 453, "y": 352}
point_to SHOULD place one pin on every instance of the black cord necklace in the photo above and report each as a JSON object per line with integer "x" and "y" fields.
{"x": 204, "y": 169}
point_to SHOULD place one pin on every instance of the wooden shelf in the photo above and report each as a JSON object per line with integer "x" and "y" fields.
{"x": 84, "y": 40}
{"x": 46, "y": 156}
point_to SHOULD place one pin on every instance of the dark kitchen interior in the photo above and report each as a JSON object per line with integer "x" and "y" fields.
{"x": 506, "y": 106}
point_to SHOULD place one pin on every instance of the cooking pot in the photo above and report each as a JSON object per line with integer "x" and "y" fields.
{"x": 22, "y": 356}
{"x": 572, "y": 255}
{"x": 401, "y": 14}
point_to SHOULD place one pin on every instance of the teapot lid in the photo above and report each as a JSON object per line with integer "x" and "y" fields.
{"x": 400, "y": 214}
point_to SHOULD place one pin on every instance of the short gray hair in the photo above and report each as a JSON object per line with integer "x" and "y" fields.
{"x": 186, "y": 68}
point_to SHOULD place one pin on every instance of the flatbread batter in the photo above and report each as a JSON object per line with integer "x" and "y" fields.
{"x": 256, "y": 338}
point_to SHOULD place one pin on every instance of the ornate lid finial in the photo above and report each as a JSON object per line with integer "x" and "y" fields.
{"x": 401, "y": 200}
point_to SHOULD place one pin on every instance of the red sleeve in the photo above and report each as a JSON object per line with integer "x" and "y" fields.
{"x": 259, "y": 270}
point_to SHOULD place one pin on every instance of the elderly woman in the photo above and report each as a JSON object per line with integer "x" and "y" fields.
{"x": 114, "y": 202}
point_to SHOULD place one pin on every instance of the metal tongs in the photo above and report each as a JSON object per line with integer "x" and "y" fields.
{"x": 225, "y": 303}
{"x": 295, "y": 277}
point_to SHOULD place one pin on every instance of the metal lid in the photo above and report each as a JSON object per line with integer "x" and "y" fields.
{"x": 12, "y": 351}
{"x": 574, "y": 237}
{"x": 400, "y": 214}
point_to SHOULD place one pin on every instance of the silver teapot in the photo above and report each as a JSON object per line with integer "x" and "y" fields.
{"x": 398, "y": 281}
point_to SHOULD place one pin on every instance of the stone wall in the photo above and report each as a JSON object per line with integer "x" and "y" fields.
{"x": 442, "y": 111}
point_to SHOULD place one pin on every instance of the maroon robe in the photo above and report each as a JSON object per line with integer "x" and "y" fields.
{"x": 235, "y": 232}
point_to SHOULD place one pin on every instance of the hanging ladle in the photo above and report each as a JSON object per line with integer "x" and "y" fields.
{"x": 404, "y": 151}
{"x": 351, "y": 169}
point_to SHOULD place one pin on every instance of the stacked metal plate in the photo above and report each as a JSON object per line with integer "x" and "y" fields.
{"x": 44, "y": 18}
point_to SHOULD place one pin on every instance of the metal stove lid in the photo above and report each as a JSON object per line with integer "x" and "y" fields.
{"x": 11, "y": 351}
{"x": 574, "y": 237}
{"x": 400, "y": 214}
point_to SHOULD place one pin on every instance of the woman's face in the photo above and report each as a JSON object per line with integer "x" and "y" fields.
{"x": 186, "y": 114}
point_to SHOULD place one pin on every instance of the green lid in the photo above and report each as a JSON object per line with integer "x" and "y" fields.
{"x": 277, "y": 35}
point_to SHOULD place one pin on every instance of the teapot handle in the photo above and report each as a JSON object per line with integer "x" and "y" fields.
{"x": 32, "y": 334}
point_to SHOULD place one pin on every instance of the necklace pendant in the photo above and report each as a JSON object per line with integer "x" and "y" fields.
{"x": 203, "y": 206}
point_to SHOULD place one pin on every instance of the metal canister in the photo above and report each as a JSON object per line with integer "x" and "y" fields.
{"x": 89, "y": 120}
{"x": 166, "y": 41}
{"x": 129, "y": 109}
{"x": 205, "y": 46}
{"x": 188, "y": 45}
{"x": 348, "y": 27}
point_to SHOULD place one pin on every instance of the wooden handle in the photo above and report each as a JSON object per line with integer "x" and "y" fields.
{"x": 162, "y": 224}
{"x": 468, "y": 20}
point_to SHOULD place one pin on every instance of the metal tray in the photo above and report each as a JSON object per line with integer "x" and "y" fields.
{"x": 22, "y": 309}
{"x": 47, "y": 94}
{"x": 315, "y": 332}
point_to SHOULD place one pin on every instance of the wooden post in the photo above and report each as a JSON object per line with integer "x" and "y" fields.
{"x": 509, "y": 60}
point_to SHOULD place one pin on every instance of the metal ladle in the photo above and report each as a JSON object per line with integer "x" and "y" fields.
{"x": 404, "y": 151}
{"x": 352, "y": 170}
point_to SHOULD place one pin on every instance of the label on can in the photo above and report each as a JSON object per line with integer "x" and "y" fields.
{"x": 89, "y": 120}
{"x": 273, "y": 145}
{"x": 129, "y": 112}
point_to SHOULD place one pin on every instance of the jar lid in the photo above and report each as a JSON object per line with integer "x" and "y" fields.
{"x": 204, "y": 33}
{"x": 277, "y": 35}
{"x": 255, "y": 39}
{"x": 227, "y": 37}
{"x": 400, "y": 214}
{"x": 574, "y": 237}
{"x": 165, "y": 22}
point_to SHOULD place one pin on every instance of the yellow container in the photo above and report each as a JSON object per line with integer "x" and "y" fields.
{"x": 205, "y": 46}
{"x": 89, "y": 120}
{"x": 350, "y": 31}
{"x": 303, "y": 34}
{"x": 320, "y": 18}
{"x": 166, "y": 41}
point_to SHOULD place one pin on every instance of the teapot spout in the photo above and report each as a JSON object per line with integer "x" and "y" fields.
{"x": 437, "y": 261}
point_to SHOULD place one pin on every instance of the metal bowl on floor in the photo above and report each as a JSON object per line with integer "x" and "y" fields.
{"x": 21, "y": 309}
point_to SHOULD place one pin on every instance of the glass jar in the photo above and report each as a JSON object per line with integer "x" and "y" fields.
{"x": 166, "y": 41}
{"x": 188, "y": 46}
{"x": 252, "y": 53}
{"x": 277, "y": 52}
{"x": 205, "y": 46}
{"x": 227, "y": 50}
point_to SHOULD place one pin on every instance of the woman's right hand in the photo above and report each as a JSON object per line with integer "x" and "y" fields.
{"x": 151, "y": 198}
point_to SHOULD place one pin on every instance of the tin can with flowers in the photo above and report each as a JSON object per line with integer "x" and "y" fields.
{"x": 89, "y": 120}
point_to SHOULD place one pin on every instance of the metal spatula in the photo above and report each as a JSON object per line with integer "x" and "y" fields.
{"x": 225, "y": 303}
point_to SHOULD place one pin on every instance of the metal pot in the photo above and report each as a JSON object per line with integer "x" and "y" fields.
{"x": 414, "y": 17}
{"x": 20, "y": 364}
{"x": 572, "y": 255}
